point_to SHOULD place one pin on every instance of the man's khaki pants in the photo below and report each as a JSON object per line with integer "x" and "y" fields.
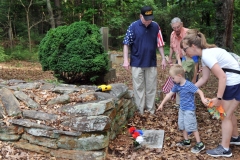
{"x": 145, "y": 88}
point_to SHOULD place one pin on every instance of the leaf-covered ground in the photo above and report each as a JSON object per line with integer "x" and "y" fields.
{"x": 210, "y": 129}
{"x": 122, "y": 147}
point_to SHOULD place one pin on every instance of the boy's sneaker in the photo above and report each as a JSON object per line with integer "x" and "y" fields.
{"x": 184, "y": 143}
{"x": 219, "y": 151}
{"x": 235, "y": 141}
{"x": 176, "y": 106}
{"x": 198, "y": 148}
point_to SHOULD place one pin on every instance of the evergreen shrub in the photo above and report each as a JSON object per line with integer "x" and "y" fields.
{"x": 75, "y": 53}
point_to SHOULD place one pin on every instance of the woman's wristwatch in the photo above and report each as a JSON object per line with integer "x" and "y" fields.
{"x": 219, "y": 98}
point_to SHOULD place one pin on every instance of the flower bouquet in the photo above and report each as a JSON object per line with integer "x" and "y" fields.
{"x": 217, "y": 112}
{"x": 137, "y": 136}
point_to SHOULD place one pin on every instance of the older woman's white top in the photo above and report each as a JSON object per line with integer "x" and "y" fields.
{"x": 211, "y": 56}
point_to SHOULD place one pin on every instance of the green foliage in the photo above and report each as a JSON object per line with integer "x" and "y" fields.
{"x": 236, "y": 48}
{"x": 3, "y": 56}
{"x": 114, "y": 14}
{"x": 199, "y": 14}
{"x": 75, "y": 53}
{"x": 20, "y": 52}
{"x": 119, "y": 14}
{"x": 166, "y": 50}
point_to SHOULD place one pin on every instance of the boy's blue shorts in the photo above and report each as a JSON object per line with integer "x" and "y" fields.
{"x": 232, "y": 92}
{"x": 187, "y": 120}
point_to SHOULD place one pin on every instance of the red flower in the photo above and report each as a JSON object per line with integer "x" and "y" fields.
{"x": 135, "y": 135}
{"x": 131, "y": 130}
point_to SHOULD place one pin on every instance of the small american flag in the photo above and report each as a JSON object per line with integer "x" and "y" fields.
{"x": 166, "y": 88}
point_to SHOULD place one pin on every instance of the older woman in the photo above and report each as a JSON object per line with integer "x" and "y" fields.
{"x": 228, "y": 92}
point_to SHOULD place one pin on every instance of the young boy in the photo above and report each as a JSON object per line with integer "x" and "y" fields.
{"x": 189, "y": 65}
{"x": 187, "y": 121}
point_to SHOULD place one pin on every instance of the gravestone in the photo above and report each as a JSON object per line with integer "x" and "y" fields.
{"x": 112, "y": 72}
{"x": 104, "y": 32}
{"x": 117, "y": 58}
{"x": 153, "y": 138}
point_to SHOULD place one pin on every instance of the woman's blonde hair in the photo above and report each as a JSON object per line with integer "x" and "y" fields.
{"x": 176, "y": 69}
{"x": 195, "y": 37}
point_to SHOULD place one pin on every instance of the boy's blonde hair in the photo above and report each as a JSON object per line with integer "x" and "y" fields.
{"x": 176, "y": 69}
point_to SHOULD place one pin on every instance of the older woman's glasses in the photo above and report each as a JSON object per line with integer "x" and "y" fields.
{"x": 185, "y": 49}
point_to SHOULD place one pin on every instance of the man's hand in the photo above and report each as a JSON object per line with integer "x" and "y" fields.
{"x": 163, "y": 63}
{"x": 126, "y": 65}
{"x": 170, "y": 60}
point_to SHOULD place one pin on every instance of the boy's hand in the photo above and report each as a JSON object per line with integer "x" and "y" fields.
{"x": 205, "y": 101}
{"x": 160, "y": 108}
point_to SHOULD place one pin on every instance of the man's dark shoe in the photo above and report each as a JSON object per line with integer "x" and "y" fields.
{"x": 235, "y": 141}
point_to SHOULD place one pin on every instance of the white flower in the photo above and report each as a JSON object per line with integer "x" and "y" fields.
{"x": 140, "y": 139}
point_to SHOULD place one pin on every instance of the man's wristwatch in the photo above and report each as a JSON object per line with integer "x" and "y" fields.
{"x": 219, "y": 98}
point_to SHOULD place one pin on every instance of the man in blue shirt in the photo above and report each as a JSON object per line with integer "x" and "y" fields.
{"x": 143, "y": 37}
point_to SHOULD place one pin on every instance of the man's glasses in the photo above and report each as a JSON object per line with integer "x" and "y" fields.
{"x": 176, "y": 28}
{"x": 185, "y": 49}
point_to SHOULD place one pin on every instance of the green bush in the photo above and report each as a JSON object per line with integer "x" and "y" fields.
{"x": 3, "y": 56}
{"x": 75, "y": 53}
{"x": 20, "y": 52}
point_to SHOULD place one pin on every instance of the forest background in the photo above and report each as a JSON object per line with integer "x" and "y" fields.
{"x": 23, "y": 23}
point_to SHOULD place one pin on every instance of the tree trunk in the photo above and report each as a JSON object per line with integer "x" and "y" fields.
{"x": 29, "y": 31}
{"x": 58, "y": 13}
{"x": 28, "y": 23}
{"x": 50, "y": 11}
{"x": 10, "y": 34}
{"x": 29, "y": 27}
{"x": 224, "y": 23}
{"x": 10, "y": 30}
{"x": 93, "y": 5}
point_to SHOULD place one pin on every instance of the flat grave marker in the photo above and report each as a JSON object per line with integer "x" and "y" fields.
{"x": 153, "y": 138}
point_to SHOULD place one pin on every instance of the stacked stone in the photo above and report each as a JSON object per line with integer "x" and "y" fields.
{"x": 79, "y": 131}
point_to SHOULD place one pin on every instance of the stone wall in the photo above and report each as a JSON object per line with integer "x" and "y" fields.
{"x": 65, "y": 121}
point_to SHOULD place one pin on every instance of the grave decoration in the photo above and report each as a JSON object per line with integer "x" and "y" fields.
{"x": 137, "y": 136}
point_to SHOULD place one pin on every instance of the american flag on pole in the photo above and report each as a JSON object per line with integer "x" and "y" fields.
{"x": 160, "y": 41}
{"x": 166, "y": 88}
